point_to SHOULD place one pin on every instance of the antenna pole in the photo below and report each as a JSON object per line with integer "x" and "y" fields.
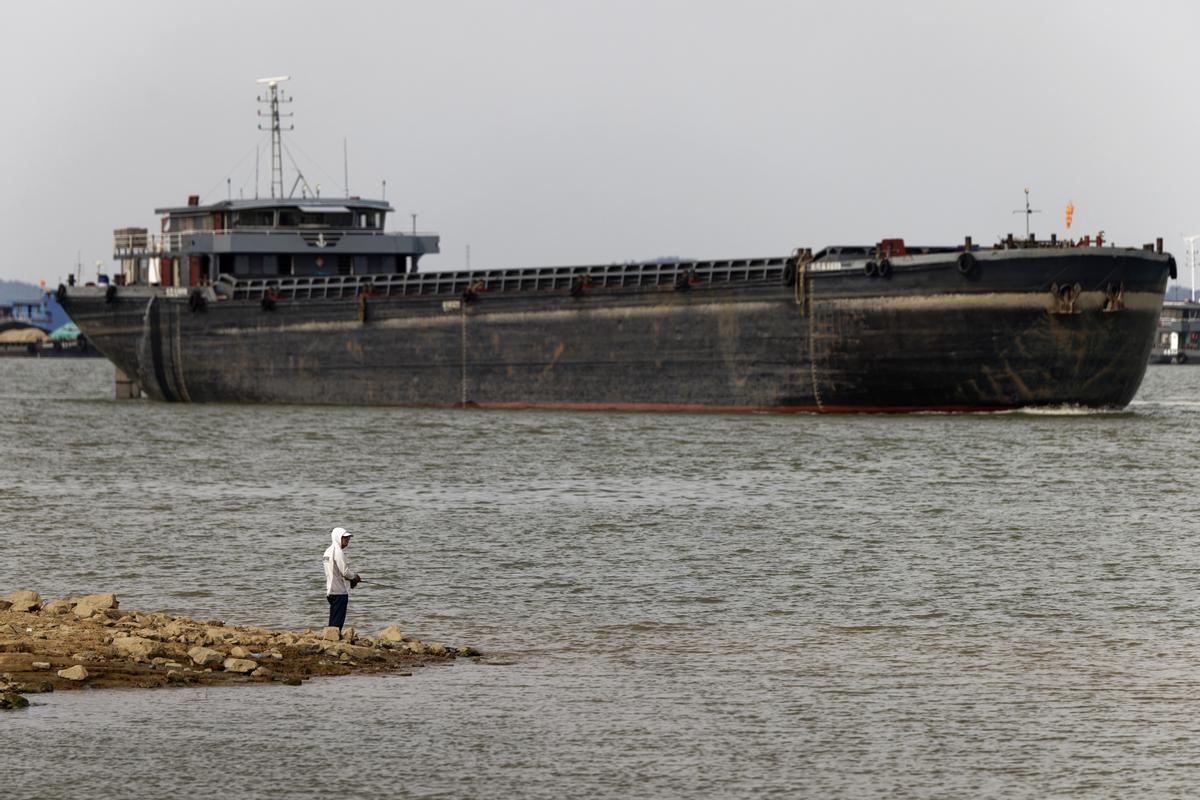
{"x": 345, "y": 167}
{"x": 273, "y": 99}
{"x": 1191, "y": 243}
{"x": 1027, "y": 211}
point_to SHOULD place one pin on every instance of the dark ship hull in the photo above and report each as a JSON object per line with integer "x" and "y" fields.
{"x": 942, "y": 331}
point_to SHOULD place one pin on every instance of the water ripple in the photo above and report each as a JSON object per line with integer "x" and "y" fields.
{"x": 934, "y": 605}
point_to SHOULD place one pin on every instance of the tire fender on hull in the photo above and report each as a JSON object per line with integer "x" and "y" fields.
{"x": 159, "y": 372}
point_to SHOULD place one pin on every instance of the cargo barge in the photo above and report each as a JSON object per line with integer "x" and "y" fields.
{"x": 308, "y": 300}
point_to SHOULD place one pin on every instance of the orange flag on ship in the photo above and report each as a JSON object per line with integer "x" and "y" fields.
{"x": 1070, "y": 213}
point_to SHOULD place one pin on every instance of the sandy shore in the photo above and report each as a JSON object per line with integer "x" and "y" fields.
{"x": 89, "y": 641}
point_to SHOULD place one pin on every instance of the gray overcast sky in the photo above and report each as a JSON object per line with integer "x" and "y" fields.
{"x": 542, "y": 132}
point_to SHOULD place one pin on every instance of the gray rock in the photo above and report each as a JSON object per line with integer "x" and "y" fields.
{"x": 174, "y": 629}
{"x": 90, "y": 604}
{"x": 75, "y": 673}
{"x": 135, "y": 647}
{"x": 205, "y": 657}
{"x": 362, "y": 653}
{"x": 44, "y": 687}
{"x": 10, "y": 700}
{"x": 437, "y": 649}
{"x": 25, "y": 601}
{"x": 58, "y": 607}
{"x": 240, "y": 665}
{"x": 100, "y": 601}
{"x": 40, "y": 665}
{"x": 391, "y": 634}
{"x": 222, "y": 635}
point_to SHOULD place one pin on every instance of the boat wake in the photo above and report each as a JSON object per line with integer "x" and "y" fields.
{"x": 1035, "y": 411}
{"x": 1068, "y": 411}
{"x": 1170, "y": 403}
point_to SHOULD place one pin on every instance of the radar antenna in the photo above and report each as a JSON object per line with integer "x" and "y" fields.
{"x": 273, "y": 98}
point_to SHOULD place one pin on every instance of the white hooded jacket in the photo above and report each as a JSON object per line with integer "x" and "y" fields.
{"x": 337, "y": 574}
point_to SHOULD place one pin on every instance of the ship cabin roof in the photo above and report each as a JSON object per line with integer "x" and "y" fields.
{"x": 344, "y": 213}
{"x": 325, "y": 205}
{"x": 1181, "y": 309}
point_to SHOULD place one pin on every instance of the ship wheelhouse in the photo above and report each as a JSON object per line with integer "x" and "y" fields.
{"x": 265, "y": 238}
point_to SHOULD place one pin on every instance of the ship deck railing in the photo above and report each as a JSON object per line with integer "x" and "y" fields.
{"x": 144, "y": 244}
{"x": 671, "y": 275}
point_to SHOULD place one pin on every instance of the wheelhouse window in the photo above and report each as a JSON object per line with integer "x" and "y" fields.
{"x": 329, "y": 217}
{"x": 255, "y": 219}
{"x": 368, "y": 220}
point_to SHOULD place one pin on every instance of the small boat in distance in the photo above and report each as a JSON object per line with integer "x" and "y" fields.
{"x": 311, "y": 300}
{"x": 1178, "y": 337}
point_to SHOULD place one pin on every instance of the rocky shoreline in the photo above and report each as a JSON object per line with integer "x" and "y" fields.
{"x": 88, "y": 641}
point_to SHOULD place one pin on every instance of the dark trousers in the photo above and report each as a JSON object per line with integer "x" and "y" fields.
{"x": 337, "y": 609}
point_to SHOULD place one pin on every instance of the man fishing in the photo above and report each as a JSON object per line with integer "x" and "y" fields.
{"x": 339, "y": 580}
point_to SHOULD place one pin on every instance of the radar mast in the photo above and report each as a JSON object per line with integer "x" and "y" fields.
{"x": 273, "y": 98}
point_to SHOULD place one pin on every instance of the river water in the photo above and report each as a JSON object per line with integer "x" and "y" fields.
{"x": 992, "y": 605}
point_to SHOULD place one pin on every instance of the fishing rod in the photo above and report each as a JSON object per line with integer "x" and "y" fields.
{"x": 381, "y": 585}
